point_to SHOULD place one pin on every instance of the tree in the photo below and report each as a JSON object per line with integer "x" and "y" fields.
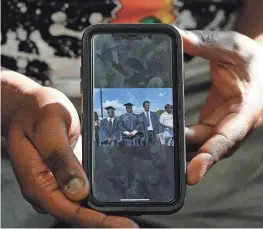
{"x": 159, "y": 112}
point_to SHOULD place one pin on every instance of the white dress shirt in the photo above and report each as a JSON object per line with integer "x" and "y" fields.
{"x": 166, "y": 119}
{"x": 151, "y": 126}
{"x": 112, "y": 119}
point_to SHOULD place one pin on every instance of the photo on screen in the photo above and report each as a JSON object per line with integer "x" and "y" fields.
{"x": 133, "y": 117}
{"x": 133, "y": 139}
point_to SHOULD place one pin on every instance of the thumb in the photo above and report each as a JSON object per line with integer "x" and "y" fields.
{"x": 51, "y": 140}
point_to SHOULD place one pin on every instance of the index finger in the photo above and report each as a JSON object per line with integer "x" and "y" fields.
{"x": 38, "y": 185}
{"x": 75, "y": 214}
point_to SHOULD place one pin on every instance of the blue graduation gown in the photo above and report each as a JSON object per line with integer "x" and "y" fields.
{"x": 105, "y": 134}
{"x": 130, "y": 122}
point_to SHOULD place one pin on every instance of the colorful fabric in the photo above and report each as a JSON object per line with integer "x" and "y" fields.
{"x": 42, "y": 39}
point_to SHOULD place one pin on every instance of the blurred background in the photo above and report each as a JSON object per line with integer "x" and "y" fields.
{"x": 42, "y": 39}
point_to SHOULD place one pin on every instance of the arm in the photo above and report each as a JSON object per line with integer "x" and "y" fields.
{"x": 116, "y": 135}
{"x": 122, "y": 127}
{"x": 162, "y": 123}
{"x": 157, "y": 126}
{"x": 138, "y": 126}
{"x": 102, "y": 133}
{"x": 251, "y": 21}
{"x": 143, "y": 125}
{"x": 165, "y": 126}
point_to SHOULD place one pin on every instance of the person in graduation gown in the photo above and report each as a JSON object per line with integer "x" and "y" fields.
{"x": 150, "y": 125}
{"x": 130, "y": 127}
{"x": 109, "y": 129}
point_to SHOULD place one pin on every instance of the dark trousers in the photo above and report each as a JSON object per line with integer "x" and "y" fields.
{"x": 151, "y": 138}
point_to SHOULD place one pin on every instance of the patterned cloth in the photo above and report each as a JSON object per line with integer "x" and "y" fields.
{"x": 42, "y": 39}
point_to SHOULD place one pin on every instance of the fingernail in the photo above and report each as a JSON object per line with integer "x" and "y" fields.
{"x": 74, "y": 185}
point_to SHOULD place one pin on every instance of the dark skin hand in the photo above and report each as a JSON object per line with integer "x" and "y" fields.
{"x": 41, "y": 141}
{"x": 234, "y": 105}
{"x": 45, "y": 128}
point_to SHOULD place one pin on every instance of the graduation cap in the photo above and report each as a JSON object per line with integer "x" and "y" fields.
{"x": 109, "y": 107}
{"x": 128, "y": 104}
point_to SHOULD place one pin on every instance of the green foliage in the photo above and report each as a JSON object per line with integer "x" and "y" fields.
{"x": 159, "y": 112}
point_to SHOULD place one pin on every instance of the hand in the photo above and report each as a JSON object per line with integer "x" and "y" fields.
{"x": 41, "y": 140}
{"x": 109, "y": 141}
{"x": 234, "y": 105}
{"x": 157, "y": 138}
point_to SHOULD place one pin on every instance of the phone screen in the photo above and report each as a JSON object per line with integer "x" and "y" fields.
{"x": 133, "y": 138}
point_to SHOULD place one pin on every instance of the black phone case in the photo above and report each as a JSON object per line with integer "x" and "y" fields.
{"x": 87, "y": 116}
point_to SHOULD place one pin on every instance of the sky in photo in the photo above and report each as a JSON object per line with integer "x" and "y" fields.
{"x": 116, "y": 97}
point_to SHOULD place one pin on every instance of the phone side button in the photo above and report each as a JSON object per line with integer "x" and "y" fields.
{"x": 80, "y": 86}
{"x": 81, "y": 118}
{"x": 80, "y": 71}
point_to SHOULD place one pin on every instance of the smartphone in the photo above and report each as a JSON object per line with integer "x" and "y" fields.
{"x": 133, "y": 118}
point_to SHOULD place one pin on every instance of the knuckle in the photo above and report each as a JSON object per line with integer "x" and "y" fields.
{"x": 218, "y": 146}
{"x": 225, "y": 143}
{"x": 235, "y": 46}
{"x": 206, "y": 37}
{"x": 46, "y": 182}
